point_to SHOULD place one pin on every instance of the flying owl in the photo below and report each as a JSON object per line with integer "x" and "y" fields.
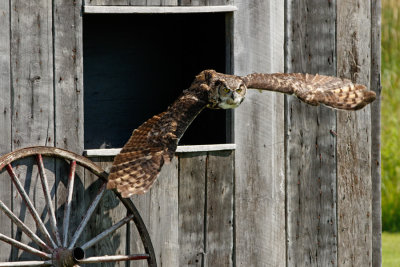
{"x": 154, "y": 143}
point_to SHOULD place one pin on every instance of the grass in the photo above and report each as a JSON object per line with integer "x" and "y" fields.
{"x": 390, "y": 249}
{"x": 390, "y": 115}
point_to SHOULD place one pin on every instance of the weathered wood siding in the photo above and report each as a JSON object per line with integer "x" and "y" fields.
{"x": 354, "y": 138}
{"x": 310, "y": 142}
{"x": 301, "y": 189}
{"x": 376, "y": 133}
{"x": 5, "y": 119}
{"x": 188, "y": 212}
{"x": 259, "y": 135}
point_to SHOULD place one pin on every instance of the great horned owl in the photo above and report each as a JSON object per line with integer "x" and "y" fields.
{"x": 137, "y": 166}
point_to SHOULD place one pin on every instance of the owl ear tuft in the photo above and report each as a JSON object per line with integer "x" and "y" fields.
{"x": 209, "y": 75}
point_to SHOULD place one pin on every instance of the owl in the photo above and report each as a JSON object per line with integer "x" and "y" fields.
{"x": 154, "y": 143}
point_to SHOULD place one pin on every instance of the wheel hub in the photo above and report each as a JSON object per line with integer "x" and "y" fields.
{"x": 64, "y": 257}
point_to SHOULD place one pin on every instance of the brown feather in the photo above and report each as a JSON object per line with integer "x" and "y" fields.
{"x": 137, "y": 166}
{"x": 314, "y": 89}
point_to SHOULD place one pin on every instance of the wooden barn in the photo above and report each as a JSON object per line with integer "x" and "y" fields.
{"x": 273, "y": 183}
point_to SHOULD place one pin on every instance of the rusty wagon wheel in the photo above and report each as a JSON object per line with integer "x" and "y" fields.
{"x": 53, "y": 247}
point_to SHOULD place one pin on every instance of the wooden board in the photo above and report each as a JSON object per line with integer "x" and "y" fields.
{"x": 204, "y": 2}
{"x": 110, "y": 210}
{"x": 163, "y": 226}
{"x": 132, "y": 2}
{"x": 219, "y": 220}
{"x": 68, "y": 101}
{"x": 192, "y": 197}
{"x": 376, "y": 133}
{"x": 354, "y": 138}
{"x": 32, "y": 105}
{"x": 5, "y": 120}
{"x": 112, "y": 2}
{"x": 259, "y": 137}
{"x": 156, "y": 9}
{"x": 310, "y": 143}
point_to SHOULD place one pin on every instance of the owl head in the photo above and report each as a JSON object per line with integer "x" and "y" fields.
{"x": 227, "y": 91}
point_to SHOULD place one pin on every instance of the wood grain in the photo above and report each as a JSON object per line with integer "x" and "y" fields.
{"x": 32, "y": 103}
{"x": 192, "y": 197}
{"x": 354, "y": 138}
{"x": 205, "y": 2}
{"x": 68, "y": 101}
{"x": 219, "y": 209}
{"x": 110, "y": 210}
{"x": 163, "y": 226}
{"x": 5, "y": 121}
{"x": 259, "y": 137}
{"x": 113, "y": 2}
{"x": 310, "y": 144}
{"x": 376, "y": 133}
{"x": 156, "y": 9}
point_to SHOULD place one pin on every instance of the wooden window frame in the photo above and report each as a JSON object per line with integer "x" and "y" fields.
{"x": 228, "y": 9}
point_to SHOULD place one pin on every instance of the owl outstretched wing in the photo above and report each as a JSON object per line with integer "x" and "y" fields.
{"x": 137, "y": 166}
{"x": 314, "y": 89}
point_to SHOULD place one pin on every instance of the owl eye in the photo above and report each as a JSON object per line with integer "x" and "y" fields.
{"x": 239, "y": 90}
{"x": 226, "y": 90}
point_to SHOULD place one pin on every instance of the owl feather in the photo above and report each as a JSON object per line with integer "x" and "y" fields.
{"x": 154, "y": 143}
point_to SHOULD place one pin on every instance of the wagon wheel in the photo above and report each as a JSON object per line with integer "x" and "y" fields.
{"x": 54, "y": 248}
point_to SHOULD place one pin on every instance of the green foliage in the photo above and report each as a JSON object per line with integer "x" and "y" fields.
{"x": 390, "y": 249}
{"x": 391, "y": 115}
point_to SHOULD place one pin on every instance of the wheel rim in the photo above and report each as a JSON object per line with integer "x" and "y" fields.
{"x": 56, "y": 249}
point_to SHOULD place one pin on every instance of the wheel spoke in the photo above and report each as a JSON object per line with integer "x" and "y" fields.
{"x": 106, "y": 232}
{"x": 23, "y": 227}
{"x": 67, "y": 211}
{"x": 22, "y": 246}
{"x": 88, "y": 214}
{"x": 30, "y": 206}
{"x": 46, "y": 191}
{"x": 115, "y": 258}
{"x": 25, "y": 263}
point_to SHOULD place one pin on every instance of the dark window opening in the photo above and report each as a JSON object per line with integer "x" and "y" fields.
{"x": 135, "y": 66}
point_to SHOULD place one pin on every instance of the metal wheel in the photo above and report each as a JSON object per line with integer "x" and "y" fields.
{"x": 53, "y": 246}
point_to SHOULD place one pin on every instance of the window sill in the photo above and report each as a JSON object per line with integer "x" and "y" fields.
{"x": 111, "y": 152}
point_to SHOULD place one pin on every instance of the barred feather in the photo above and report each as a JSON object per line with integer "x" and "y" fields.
{"x": 314, "y": 89}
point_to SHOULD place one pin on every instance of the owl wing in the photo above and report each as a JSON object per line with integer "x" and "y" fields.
{"x": 314, "y": 89}
{"x": 137, "y": 166}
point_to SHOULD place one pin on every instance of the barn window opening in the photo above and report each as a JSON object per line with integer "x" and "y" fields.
{"x": 136, "y": 65}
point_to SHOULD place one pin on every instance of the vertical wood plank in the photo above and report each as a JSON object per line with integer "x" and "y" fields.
{"x": 354, "y": 138}
{"x": 376, "y": 133}
{"x": 68, "y": 75}
{"x": 219, "y": 204}
{"x": 310, "y": 144}
{"x": 142, "y": 204}
{"x": 32, "y": 72}
{"x": 259, "y": 136}
{"x": 169, "y": 2}
{"x": 192, "y": 185}
{"x": 153, "y": 2}
{"x": 32, "y": 102}
{"x": 192, "y": 2}
{"x": 68, "y": 95}
{"x": 164, "y": 215}
{"x": 110, "y": 210}
{"x": 5, "y": 120}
